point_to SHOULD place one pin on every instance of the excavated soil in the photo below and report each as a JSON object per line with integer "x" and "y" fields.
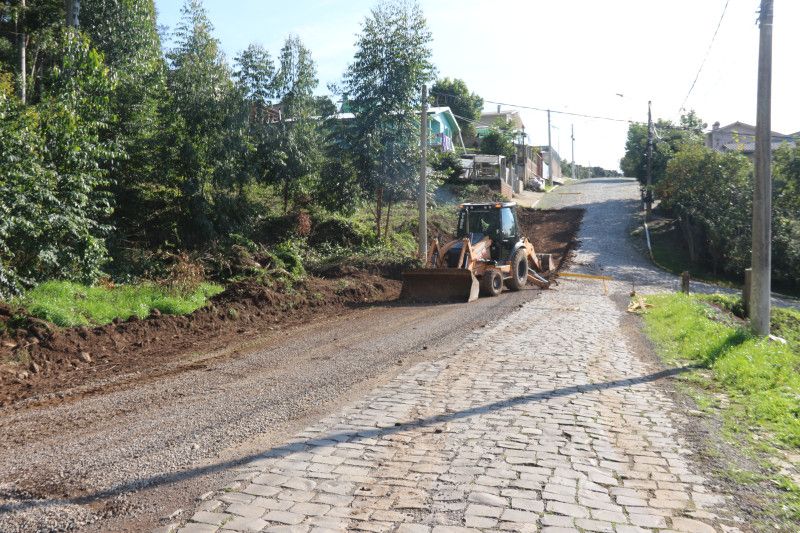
{"x": 43, "y": 365}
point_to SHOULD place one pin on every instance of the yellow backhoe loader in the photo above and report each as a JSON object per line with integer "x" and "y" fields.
{"x": 489, "y": 251}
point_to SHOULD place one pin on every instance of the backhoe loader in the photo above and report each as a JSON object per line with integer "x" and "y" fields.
{"x": 489, "y": 252}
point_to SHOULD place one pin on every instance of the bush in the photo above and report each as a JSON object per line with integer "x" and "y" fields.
{"x": 337, "y": 232}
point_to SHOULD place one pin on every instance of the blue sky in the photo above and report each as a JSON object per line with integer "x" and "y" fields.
{"x": 573, "y": 55}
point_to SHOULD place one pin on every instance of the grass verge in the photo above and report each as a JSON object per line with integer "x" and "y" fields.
{"x": 758, "y": 378}
{"x": 68, "y": 304}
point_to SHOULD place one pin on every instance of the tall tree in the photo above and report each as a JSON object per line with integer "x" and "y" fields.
{"x": 202, "y": 103}
{"x": 293, "y": 142}
{"x": 382, "y": 86}
{"x": 125, "y": 31}
{"x": 466, "y": 105}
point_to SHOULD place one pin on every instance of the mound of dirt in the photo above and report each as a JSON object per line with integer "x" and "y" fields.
{"x": 42, "y": 363}
{"x": 552, "y": 231}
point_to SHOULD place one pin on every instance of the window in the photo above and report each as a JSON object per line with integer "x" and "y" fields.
{"x": 508, "y": 226}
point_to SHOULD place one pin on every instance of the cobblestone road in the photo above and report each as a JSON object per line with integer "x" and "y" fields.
{"x": 543, "y": 421}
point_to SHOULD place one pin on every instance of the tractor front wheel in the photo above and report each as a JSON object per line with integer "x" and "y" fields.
{"x": 519, "y": 271}
{"x": 491, "y": 283}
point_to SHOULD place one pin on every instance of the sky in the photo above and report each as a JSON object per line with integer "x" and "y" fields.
{"x": 595, "y": 57}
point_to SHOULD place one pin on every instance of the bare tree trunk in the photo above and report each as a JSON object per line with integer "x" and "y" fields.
{"x": 688, "y": 235}
{"x": 388, "y": 217}
{"x": 73, "y": 9}
{"x": 378, "y": 211}
{"x": 22, "y": 40}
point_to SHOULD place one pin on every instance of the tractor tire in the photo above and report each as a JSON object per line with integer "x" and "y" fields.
{"x": 519, "y": 271}
{"x": 491, "y": 283}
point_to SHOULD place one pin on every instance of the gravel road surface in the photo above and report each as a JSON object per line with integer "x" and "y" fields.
{"x": 123, "y": 460}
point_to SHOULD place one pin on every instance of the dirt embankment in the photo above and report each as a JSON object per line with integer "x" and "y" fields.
{"x": 41, "y": 364}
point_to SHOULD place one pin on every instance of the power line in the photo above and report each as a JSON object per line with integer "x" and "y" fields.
{"x": 583, "y": 115}
{"x": 705, "y": 58}
{"x": 542, "y": 109}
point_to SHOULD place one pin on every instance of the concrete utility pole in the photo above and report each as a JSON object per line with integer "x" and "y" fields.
{"x": 762, "y": 192}
{"x": 573, "y": 151}
{"x": 73, "y": 9}
{"x": 422, "y": 191}
{"x": 22, "y": 38}
{"x": 549, "y": 152}
{"x": 649, "y": 190}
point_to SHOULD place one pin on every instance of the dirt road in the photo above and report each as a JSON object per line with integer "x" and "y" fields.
{"x": 139, "y": 454}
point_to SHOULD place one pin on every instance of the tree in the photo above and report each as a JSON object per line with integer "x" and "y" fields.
{"x": 711, "y": 193}
{"x": 289, "y": 147}
{"x": 53, "y": 185}
{"x": 255, "y": 75}
{"x": 465, "y": 105}
{"x": 125, "y": 31}
{"x": 669, "y": 139}
{"x": 382, "y": 86}
{"x": 499, "y": 140}
{"x": 203, "y": 117}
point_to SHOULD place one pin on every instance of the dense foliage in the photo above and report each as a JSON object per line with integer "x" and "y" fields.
{"x": 114, "y": 151}
{"x": 710, "y": 194}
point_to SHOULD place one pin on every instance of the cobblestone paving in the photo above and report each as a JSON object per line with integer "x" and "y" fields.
{"x": 543, "y": 421}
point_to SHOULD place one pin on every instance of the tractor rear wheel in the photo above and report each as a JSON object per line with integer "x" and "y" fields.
{"x": 491, "y": 283}
{"x": 519, "y": 271}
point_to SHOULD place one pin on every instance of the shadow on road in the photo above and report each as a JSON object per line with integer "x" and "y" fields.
{"x": 334, "y": 438}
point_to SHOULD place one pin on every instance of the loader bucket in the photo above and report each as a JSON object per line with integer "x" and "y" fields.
{"x": 439, "y": 285}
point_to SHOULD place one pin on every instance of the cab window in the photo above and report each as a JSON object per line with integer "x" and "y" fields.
{"x": 508, "y": 227}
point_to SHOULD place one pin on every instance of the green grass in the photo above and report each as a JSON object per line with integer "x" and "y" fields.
{"x": 69, "y": 304}
{"x": 759, "y": 375}
{"x": 759, "y": 378}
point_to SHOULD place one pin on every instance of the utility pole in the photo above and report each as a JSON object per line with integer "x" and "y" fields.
{"x": 22, "y": 38}
{"x": 649, "y": 187}
{"x": 73, "y": 9}
{"x": 762, "y": 192}
{"x": 573, "y": 151}
{"x": 549, "y": 152}
{"x": 422, "y": 191}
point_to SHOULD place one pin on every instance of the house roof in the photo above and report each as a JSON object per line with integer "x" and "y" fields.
{"x": 744, "y": 125}
{"x": 448, "y": 113}
{"x": 488, "y": 118}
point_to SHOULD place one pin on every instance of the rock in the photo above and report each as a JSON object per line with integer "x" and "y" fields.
{"x": 775, "y": 338}
{"x": 85, "y": 357}
{"x": 34, "y": 367}
{"x": 155, "y": 313}
{"x": 23, "y": 375}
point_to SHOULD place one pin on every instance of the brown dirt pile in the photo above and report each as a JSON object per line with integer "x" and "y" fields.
{"x": 552, "y": 231}
{"x": 45, "y": 364}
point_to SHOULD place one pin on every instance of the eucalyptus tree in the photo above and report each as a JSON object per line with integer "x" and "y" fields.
{"x": 292, "y": 155}
{"x": 382, "y": 88}
{"x": 199, "y": 119}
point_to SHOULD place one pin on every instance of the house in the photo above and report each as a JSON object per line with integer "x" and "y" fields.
{"x": 741, "y": 137}
{"x": 488, "y": 121}
{"x": 444, "y": 132}
{"x": 551, "y": 163}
